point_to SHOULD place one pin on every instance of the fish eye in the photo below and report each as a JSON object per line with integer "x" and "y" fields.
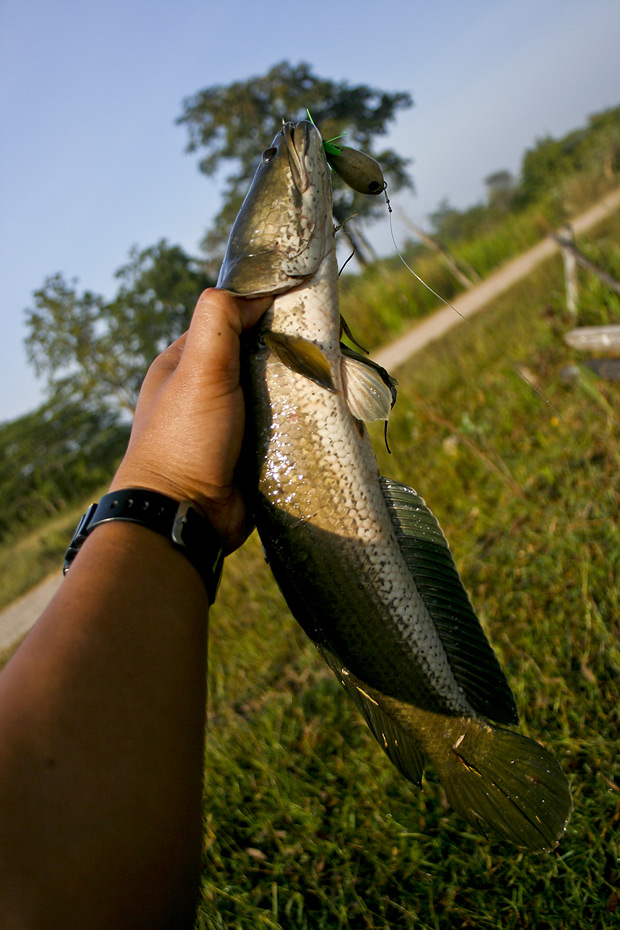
{"x": 268, "y": 154}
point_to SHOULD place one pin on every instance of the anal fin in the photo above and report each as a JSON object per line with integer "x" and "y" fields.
{"x": 396, "y": 743}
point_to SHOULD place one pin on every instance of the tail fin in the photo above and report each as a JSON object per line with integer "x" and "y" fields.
{"x": 512, "y": 784}
{"x": 495, "y": 778}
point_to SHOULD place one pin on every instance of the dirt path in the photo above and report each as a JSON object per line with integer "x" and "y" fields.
{"x": 16, "y": 619}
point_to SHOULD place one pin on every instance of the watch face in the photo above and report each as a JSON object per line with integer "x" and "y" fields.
{"x": 79, "y": 536}
{"x": 201, "y": 544}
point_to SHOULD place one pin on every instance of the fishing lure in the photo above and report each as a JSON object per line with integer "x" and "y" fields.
{"x": 359, "y": 171}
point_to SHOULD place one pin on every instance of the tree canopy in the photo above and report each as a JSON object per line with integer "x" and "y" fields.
{"x": 592, "y": 147}
{"x": 232, "y": 124}
{"x": 97, "y": 351}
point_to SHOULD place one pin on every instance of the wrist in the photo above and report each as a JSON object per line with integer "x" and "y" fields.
{"x": 136, "y": 477}
{"x": 222, "y": 506}
{"x": 209, "y": 502}
{"x": 180, "y": 522}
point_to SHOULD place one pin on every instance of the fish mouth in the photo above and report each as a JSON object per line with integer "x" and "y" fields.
{"x": 297, "y": 141}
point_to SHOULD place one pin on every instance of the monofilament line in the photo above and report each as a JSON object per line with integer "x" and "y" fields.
{"x": 486, "y": 338}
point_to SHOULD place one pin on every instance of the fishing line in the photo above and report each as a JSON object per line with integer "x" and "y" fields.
{"x": 600, "y": 511}
{"x": 363, "y": 174}
{"x": 487, "y": 339}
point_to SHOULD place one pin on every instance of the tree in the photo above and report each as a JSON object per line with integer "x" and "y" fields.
{"x": 452, "y": 225}
{"x": 232, "y": 124}
{"x": 500, "y": 187}
{"x": 543, "y": 167}
{"x": 601, "y": 145}
{"x": 53, "y": 457}
{"x": 97, "y": 351}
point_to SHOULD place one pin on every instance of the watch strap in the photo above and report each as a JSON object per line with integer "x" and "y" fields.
{"x": 180, "y": 522}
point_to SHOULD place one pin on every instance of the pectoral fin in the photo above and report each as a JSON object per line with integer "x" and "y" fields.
{"x": 301, "y": 356}
{"x": 369, "y": 390}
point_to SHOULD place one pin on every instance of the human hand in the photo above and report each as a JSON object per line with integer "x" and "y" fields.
{"x": 189, "y": 422}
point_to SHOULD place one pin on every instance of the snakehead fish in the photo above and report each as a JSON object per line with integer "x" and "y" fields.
{"x": 360, "y": 559}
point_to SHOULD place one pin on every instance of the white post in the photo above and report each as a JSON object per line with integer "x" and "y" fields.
{"x": 570, "y": 272}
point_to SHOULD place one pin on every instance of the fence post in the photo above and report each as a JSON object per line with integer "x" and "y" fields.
{"x": 570, "y": 271}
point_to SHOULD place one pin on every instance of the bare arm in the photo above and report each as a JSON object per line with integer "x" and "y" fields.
{"x": 102, "y": 707}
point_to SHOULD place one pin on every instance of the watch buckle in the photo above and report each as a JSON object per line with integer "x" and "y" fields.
{"x": 180, "y": 522}
{"x": 78, "y": 537}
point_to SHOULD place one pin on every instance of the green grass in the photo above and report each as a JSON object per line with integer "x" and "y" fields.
{"x": 307, "y": 825}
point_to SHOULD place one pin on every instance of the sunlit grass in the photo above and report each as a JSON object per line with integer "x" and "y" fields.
{"x": 307, "y": 824}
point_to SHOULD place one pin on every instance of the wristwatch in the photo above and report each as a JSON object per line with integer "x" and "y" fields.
{"x": 181, "y": 523}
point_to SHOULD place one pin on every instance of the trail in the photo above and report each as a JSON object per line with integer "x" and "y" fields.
{"x": 17, "y": 618}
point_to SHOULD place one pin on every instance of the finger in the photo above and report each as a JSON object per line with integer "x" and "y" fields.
{"x": 168, "y": 360}
{"x": 251, "y": 309}
{"x": 161, "y": 368}
{"x": 239, "y": 312}
{"x": 170, "y": 357}
{"x": 212, "y": 348}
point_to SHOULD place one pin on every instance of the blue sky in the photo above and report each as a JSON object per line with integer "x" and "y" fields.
{"x": 92, "y": 161}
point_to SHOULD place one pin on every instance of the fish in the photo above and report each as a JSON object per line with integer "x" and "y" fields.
{"x": 360, "y": 559}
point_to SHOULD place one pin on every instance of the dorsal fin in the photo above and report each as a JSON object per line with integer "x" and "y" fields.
{"x": 432, "y": 566}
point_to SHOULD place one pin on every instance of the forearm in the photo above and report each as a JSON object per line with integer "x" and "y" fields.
{"x": 101, "y": 749}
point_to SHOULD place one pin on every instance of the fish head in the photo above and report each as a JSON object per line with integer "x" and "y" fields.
{"x": 284, "y": 227}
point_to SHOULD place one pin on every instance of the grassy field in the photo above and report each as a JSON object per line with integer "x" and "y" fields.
{"x": 307, "y": 825}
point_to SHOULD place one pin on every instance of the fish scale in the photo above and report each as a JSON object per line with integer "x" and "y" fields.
{"x": 360, "y": 559}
